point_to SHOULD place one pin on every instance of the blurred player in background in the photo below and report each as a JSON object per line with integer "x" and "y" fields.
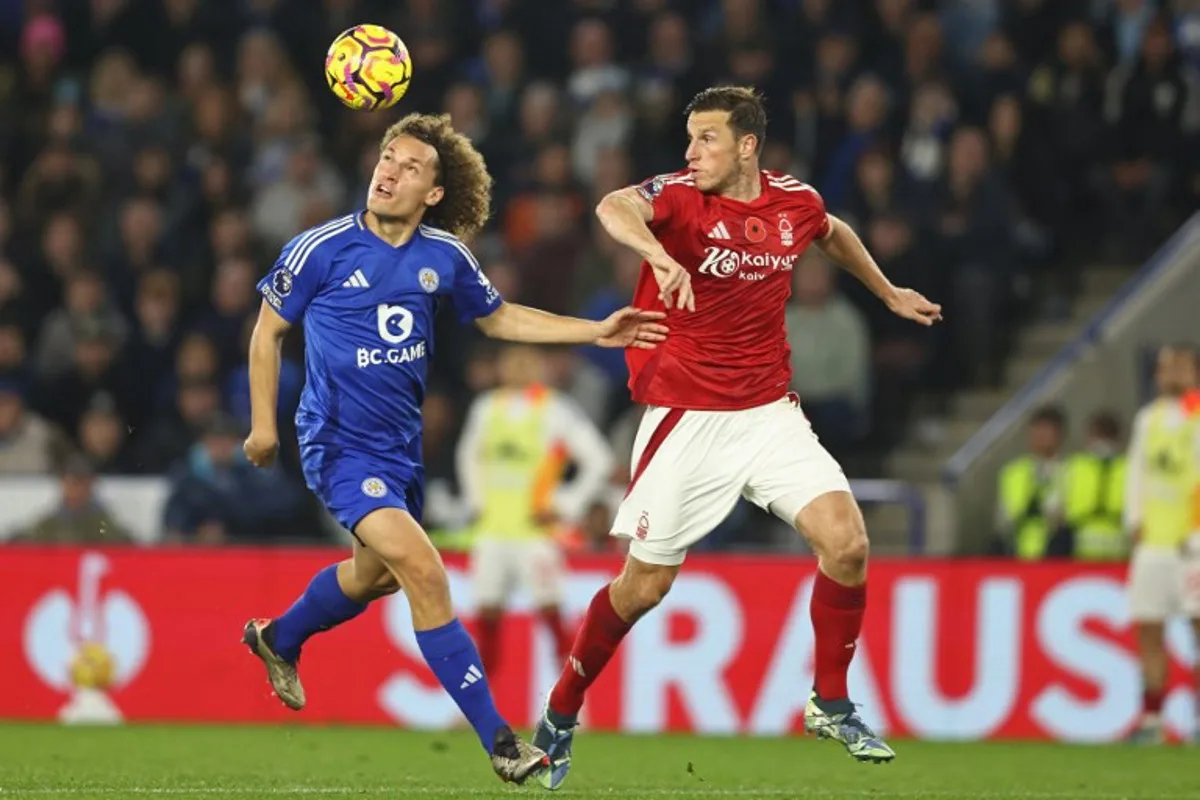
{"x": 1162, "y": 514}
{"x": 367, "y": 286}
{"x": 719, "y": 240}
{"x": 515, "y": 446}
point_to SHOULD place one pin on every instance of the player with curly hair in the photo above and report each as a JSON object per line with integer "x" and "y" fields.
{"x": 367, "y": 286}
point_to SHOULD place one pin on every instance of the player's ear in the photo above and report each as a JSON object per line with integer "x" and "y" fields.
{"x": 434, "y": 196}
{"x": 747, "y": 145}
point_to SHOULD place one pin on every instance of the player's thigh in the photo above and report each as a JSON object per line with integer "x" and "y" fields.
{"x": 686, "y": 479}
{"x": 491, "y": 572}
{"x": 796, "y": 478}
{"x": 541, "y": 566}
{"x": 400, "y": 542}
{"x": 1153, "y": 585}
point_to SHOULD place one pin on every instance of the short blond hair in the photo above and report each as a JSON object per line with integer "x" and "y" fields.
{"x": 461, "y": 172}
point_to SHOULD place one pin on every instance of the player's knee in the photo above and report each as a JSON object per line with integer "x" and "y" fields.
{"x": 653, "y": 588}
{"x": 422, "y": 572}
{"x": 849, "y": 547}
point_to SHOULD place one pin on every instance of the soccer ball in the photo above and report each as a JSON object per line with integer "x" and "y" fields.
{"x": 92, "y": 667}
{"x": 368, "y": 67}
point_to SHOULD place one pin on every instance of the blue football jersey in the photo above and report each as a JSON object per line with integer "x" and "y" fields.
{"x": 368, "y": 311}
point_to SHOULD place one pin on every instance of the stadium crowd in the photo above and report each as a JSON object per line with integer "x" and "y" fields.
{"x": 155, "y": 155}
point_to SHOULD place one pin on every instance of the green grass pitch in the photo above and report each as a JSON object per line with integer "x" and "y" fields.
{"x": 232, "y": 763}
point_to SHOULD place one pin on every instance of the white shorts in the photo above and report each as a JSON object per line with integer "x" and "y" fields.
{"x": 498, "y": 566}
{"x": 690, "y": 467}
{"x": 1163, "y": 584}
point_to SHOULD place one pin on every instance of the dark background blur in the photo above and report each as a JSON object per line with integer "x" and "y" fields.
{"x": 155, "y": 155}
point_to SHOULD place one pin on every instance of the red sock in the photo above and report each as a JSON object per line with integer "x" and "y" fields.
{"x": 1152, "y": 702}
{"x": 558, "y": 631}
{"x": 488, "y": 643}
{"x": 595, "y": 644}
{"x": 837, "y": 614}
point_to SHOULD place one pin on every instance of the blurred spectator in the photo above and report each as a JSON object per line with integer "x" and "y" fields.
{"x": 81, "y": 518}
{"x": 1065, "y": 93}
{"x": 103, "y": 437}
{"x": 1094, "y": 495}
{"x": 156, "y": 327}
{"x": 974, "y": 237}
{"x": 1029, "y": 494}
{"x": 167, "y": 440}
{"x": 94, "y": 367}
{"x": 830, "y": 353}
{"x": 86, "y": 303}
{"x": 308, "y": 192}
{"x": 218, "y": 497}
{"x": 1152, "y": 105}
{"x": 12, "y": 349}
{"x": 594, "y": 70}
{"x": 233, "y": 301}
{"x": 866, "y": 115}
{"x": 28, "y": 443}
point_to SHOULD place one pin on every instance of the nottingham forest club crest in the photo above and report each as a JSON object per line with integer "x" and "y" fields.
{"x": 785, "y": 231}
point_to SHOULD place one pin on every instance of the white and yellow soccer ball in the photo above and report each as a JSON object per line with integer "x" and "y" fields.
{"x": 368, "y": 67}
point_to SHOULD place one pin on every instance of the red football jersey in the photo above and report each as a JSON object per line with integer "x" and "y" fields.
{"x": 732, "y": 351}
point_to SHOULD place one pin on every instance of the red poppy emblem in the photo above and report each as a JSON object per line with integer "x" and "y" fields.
{"x": 756, "y": 229}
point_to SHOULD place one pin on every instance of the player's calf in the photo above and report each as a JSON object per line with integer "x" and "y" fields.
{"x": 641, "y": 587}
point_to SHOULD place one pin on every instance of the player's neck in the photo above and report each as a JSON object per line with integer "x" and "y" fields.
{"x": 745, "y": 188}
{"x": 393, "y": 231}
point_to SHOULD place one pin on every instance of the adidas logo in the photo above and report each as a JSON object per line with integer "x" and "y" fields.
{"x": 356, "y": 281}
{"x": 473, "y": 676}
{"x": 719, "y": 232}
{"x": 575, "y": 665}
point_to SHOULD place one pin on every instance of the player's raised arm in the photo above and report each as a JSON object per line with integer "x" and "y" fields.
{"x": 842, "y": 245}
{"x": 628, "y": 327}
{"x": 626, "y": 215}
{"x": 477, "y": 300}
{"x": 265, "y": 344}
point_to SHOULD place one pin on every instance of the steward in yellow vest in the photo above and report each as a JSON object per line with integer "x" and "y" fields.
{"x": 1094, "y": 494}
{"x": 1029, "y": 493}
{"x": 511, "y": 461}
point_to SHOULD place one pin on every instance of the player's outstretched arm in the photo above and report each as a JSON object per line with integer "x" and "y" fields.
{"x": 843, "y": 246}
{"x": 626, "y": 215}
{"x": 629, "y": 327}
{"x": 265, "y": 344}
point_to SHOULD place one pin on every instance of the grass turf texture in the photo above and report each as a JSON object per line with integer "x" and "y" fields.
{"x": 281, "y": 762}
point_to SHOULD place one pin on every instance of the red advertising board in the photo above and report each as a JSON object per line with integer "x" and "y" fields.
{"x": 950, "y": 649}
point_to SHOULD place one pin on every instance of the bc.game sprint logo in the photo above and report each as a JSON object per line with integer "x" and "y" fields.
{"x": 87, "y": 643}
{"x": 725, "y": 263}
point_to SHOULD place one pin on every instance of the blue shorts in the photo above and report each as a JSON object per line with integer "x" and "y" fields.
{"x": 352, "y": 483}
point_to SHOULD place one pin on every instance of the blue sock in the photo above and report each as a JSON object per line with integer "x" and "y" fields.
{"x": 453, "y": 658}
{"x": 322, "y": 606}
